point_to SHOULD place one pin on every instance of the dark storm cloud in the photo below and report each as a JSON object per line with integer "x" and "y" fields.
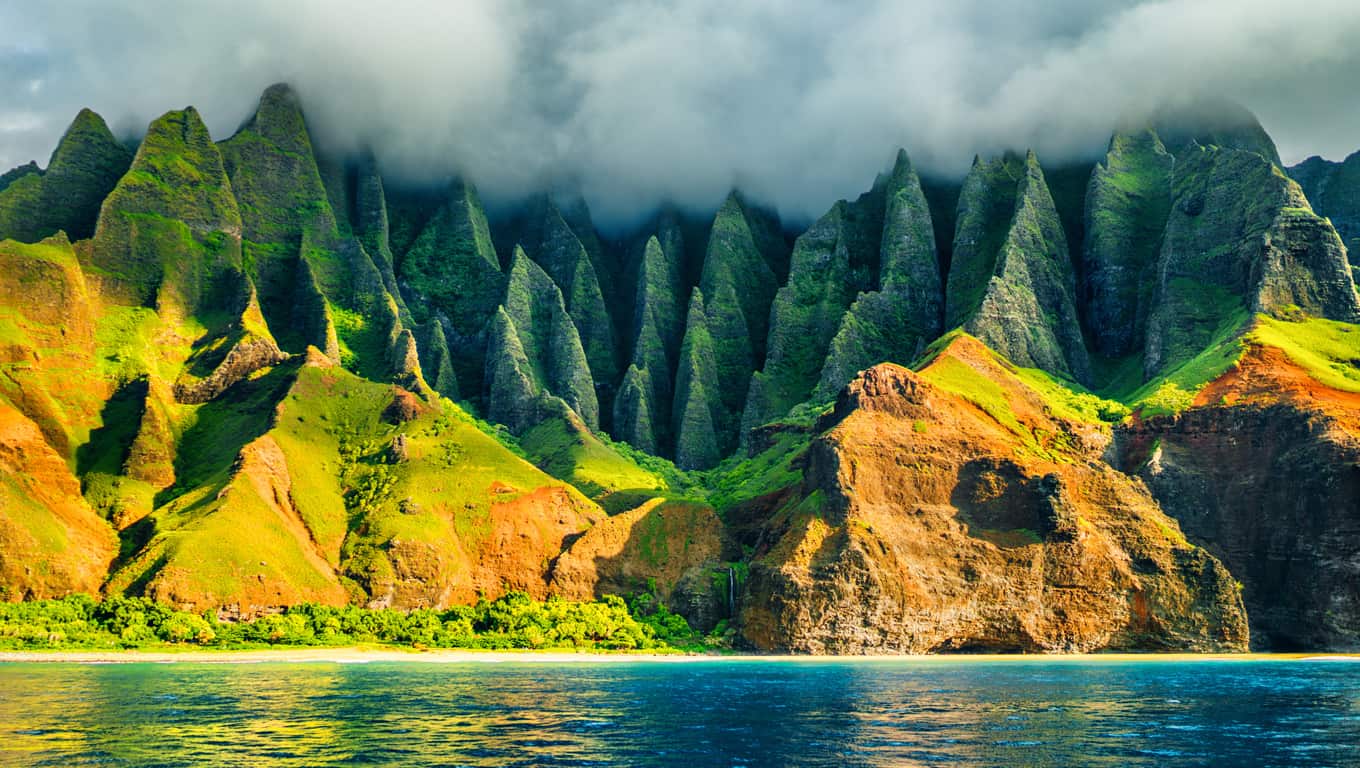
{"x": 637, "y": 101}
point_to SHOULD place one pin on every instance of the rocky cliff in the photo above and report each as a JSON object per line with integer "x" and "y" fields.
{"x": 1264, "y": 471}
{"x": 1026, "y": 411}
{"x": 1333, "y": 189}
{"x": 927, "y": 522}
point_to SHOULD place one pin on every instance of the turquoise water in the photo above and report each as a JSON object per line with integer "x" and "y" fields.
{"x": 720, "y": 713}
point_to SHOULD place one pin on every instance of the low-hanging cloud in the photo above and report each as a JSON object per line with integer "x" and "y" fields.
{"x": 635, "y": 102}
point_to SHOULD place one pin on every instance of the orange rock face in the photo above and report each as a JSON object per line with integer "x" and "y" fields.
{"x": 51, "y": 542}
{"x": 925, "y": 524}
{"x": 652, "y": 547}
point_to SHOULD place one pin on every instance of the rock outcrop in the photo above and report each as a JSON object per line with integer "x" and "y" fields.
{"x": 51, "y": 543}
{"x": 743, "y": 266}
{"x": 535, "y": 350}
{"x": 896, "y": 321}
{"x": 877, "y": 254}
{"x": 654, "y": 548}
{"x": 1128, "y": 200}
{"x": 925, "y": 524}
{"x": 698, "y": 407}
{"x": 642, "y": 412}
{"x": 881, "y": 241}
{"x": 1264, "y": 471}
{"x": 287, "y": 218}
{"x": 1333, "y": 190}
{"x": 450, "y": 268}
{"x": 554, "y": 246}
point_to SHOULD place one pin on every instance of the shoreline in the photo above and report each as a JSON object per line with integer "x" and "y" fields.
{"x": 363, "y": 655}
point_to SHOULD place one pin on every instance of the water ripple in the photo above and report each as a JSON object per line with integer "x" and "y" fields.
{"x": 643, "y": 714}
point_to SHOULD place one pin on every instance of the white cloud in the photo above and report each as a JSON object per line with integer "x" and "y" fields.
{"x": 637, "y": 101}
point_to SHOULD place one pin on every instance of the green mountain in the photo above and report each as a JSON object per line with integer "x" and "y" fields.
{"x": 554, "y": 245}
{"x": 1113, "y": 405}
{"x": 863, "y": 288}
{"x": 1240, "y": 238}
{"x": 1127, "y": 203}
{"x": 1011, "y": 282}
{"x": 1333, "y": 189}
{"x": 65, "y": 197}
{"x": 535, "y": 350}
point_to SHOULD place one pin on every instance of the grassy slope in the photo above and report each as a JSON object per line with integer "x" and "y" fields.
{"x": 1328, "y": 350}
{"x": 597, "y": 469}
{"x": 348, "y": 493}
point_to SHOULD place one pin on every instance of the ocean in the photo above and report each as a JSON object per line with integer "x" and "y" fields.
{"x": 899, "y": 712}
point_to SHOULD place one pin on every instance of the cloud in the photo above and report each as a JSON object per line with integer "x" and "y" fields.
{"x": 638, "y": 101}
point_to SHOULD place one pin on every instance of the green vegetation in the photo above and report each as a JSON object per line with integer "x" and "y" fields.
{"x": 1174, "y": 389}
{"x": 642, "y": 410}
{"x": 697, "y": 408}
{"x": 305, "y": 270}
{"x": 740, "y": 479}
{"x": 562, "y": 255}
{"x": 513, "y": 620}
{"x": 577, "y": 456}
{"x": 66, "y": 197}
{"x": 832, "y": 262}
{"x": 953, "y": 375}
{"x": 1127, "y": 204}
{"x": 451, "y": 265}
{"x": 1328, "y": 350}
{"x": 553, "y": 359}
{"x": 986, "y": 204}
{"x": 892, "y": 323}
{"x": 1070, "y": 400}
{"x": 742, "y": 270}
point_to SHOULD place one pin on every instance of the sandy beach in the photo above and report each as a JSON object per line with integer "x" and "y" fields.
{"x": 360, "y": 655}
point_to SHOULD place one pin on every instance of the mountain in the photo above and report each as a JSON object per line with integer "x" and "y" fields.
{"x": 863, "y": 287}
{"x": 1011, "y": 282}
{"x": 1333, "y": 189}
{"x": 65, "y": 197}
{"x": 1108, "y": 405}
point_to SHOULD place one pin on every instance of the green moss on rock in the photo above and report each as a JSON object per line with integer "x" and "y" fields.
{"x": 564, "y": 257}
{"x": 534, "y": 348}
{"x": 698, "y": 407}
{"x": 1127, "y": 203}
{"x": 1019, "y": 299}
{"x": 1241, "y": 238}
{"x": 85, "y": 167}
{"x": 658, "y": 325}
{"x": 288, "y": 217}
{"x": 1333, "y": 190}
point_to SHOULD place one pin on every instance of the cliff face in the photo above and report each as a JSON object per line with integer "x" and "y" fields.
{"x": 238, "y": 391}
{"x": 863, "y": 287}
{"x": 1264, "y": 471}
{"x": 1241, "y": 238}
{"x": 1333, "y": 189}
{"x": 51, "y": 542}
{"x": 1011, "y": 282}
{"x": 925, "y": 524}
{"x": 1127, "y": 202}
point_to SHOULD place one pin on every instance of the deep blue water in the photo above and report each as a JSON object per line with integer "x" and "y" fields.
{"x": 720, "y": 713}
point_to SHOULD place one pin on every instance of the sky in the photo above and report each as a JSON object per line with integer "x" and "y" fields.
{"x": 637, "y": 102}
